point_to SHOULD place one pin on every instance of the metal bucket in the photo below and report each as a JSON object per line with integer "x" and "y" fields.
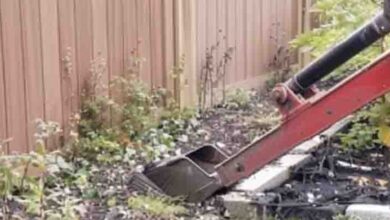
{"x": 191, "y": 176}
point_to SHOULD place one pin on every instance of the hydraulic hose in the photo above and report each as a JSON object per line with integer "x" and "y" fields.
{"x": 341, "y": 53}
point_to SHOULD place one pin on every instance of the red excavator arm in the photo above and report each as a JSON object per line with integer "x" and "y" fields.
{"x": 306, "y": 117}
{"x": 306, "y": 112}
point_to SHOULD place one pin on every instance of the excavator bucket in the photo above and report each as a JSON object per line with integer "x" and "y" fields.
{"x": 192, "y": 174}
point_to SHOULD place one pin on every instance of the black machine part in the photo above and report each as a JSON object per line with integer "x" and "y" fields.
{"x": 341, "y": 53}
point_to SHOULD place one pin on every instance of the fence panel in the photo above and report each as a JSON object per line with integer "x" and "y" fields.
{"x": 47, "y": 48}
{"x": 15, "y": 89}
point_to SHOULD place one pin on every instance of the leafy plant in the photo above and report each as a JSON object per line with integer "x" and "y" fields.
{"x": 156, "y": 206}
{"x": 338, "y": 19}
{"x": 360, "y": 136}
{"x": 238, "y": 98}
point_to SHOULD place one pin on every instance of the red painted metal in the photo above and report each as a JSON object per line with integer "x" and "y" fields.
{"x": 304, "y": 117}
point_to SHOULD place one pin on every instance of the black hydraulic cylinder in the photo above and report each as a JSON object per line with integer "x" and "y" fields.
{"x": 335, "y": 57}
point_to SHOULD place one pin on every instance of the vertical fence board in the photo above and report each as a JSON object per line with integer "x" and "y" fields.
{"x": 201, "y": 36}
{"x": 84, "y": 42}
{"x": 32, "y": 65}
{"x": 258, "y": 46}
{"x": 266, "y": 28}
{"x": 143, "y": 18}
{"x": 249, "y": 21}
{"x": 130, "y": 30}
{"x": 68, "y": 58}
{"x": 156, "y": 42}
{"x": 115, "y": 39}
{"x": 3, "y": 102}
{"x": 168, "y": 45}
{"x": 14, "y": 77}
{"x": 51, "y": 62}
{"x": 221, "y": 27}
{"x": 99, "y": 24}
{"x": 211, "y": 23}
{"x": 240, "y": 43}
{"x": 189, "y": 79}
{"x": 201, "y": 40}
{"x": 231, "y": 38}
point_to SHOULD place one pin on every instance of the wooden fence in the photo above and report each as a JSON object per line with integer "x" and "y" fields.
{"x": 46, "y": 49}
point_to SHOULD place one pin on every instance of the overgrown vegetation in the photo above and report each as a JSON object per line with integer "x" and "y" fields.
{"x": 134, "y": 124}
{"x": 27, "y": 179}
{"x": 338, "y": 19}
{"x": 125, "y": 123}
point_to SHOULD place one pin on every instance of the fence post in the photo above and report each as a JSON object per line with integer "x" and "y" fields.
{"x": 304, "y": 17}
{"x": 185, "y": 47}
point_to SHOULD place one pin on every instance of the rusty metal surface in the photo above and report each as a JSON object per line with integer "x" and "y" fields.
{"x": 191, "y": 176}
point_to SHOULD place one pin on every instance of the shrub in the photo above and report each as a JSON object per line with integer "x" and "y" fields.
{"x": 135, "y": 116}
{"x": 338, "y": 19}
{"x": 238, "y": 98}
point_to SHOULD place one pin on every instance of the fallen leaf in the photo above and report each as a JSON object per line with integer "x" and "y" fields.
{"x": 384, "y": 134}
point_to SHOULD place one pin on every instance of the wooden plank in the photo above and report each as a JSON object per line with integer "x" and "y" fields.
{"x": 115, "y": 39}
{"x": 281, "y": 20}
{"x": 100, "y": 50}
{"x": 300, "y": 30}
{"x": 240, "y": 43}
{"x": 307, "y": 27}
{"x": 201, "y": 35}
{"x": 249, "y": 21}
{"x": 143, "y": 18}
{"x": 84, "y": 42}
{"x": 169, "y": 47}
{"x": 266, "y": 30}
{"x": 294, "y": 5}
{"x": 68, "y": 55}
{"x": 3, "y": 101}
{"x": 288, "y": 19}
{"x": 130, "y": 30}
{"x": 156, "y": 42}
{"x": 231, "y": 37}
{"x": 273, "y": 30}
{"x": 33, "y": 66}
{"x": 14, "y": 75}
{"x": 212, "y": 28}
{"x": 188, "y": 80}
{"x": 51, "y": 63}
{"x": 258, "y": 44}
{"x": 221, "y": 27}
